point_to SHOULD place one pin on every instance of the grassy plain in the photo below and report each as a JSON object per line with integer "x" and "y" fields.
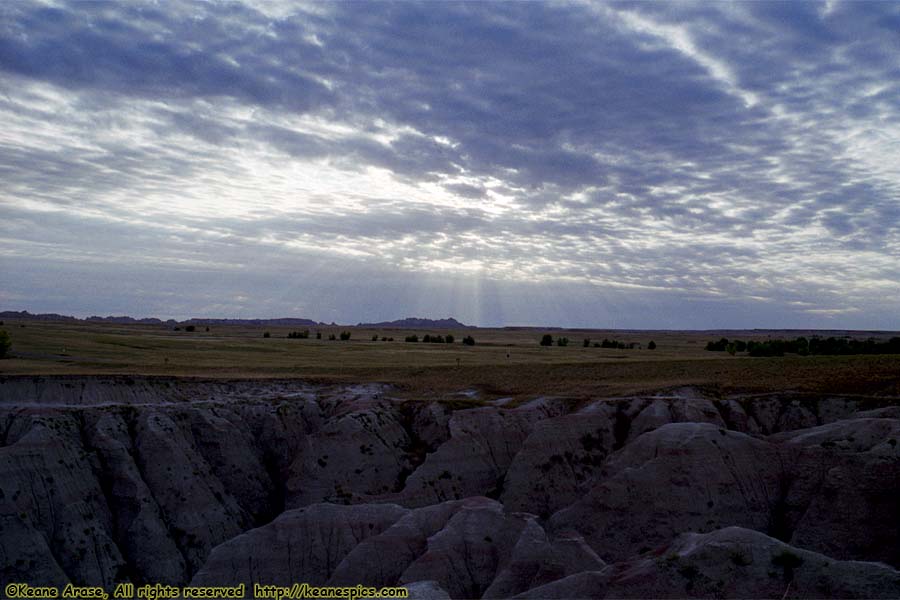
{"x": 504, "y": 362}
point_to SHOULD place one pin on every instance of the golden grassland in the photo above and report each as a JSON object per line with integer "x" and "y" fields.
{"x": 504, "y": 362}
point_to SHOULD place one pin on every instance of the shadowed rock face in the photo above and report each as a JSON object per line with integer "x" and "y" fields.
{"x": 728, "y": 563}
{"x": 679, "y": 477}
{"x": 175, "y": 481}
{"x": 843, "y": 497}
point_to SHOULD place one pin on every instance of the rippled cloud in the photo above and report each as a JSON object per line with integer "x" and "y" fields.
{"x": 616, "y": 164}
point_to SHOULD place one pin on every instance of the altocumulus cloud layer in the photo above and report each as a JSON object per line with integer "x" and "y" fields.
{"x": 629, "y": 165}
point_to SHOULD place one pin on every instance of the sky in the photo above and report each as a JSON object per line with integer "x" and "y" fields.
{"x": 613, "y": 165}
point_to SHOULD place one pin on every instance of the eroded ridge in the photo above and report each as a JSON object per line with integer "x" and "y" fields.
{"x": 156, "y": 480}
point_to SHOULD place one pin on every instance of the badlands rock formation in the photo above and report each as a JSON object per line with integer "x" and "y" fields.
{"x": 111, "y": 479}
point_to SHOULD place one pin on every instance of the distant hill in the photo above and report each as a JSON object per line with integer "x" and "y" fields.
{"x": 283, "y": 321}
{"x": 408, "y": 323}
{"x": 125, "y": 320}
{"x": 24, "y": 315}
{"x": 420, "y": 323}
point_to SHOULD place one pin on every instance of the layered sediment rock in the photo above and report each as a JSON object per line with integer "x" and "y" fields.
{"x": 175, "y": 481}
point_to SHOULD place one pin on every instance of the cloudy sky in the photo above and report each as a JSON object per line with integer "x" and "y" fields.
{"x": 647, "y": 165}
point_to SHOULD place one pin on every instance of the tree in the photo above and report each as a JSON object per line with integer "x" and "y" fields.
{"x": 718, "y": 346}
{"x": 587, "y": 343}
{"x": 267, "y": 335}
{"x": 651, "y": 345}
{"x": 318, "y": 335}
{"x": 5, "y": 343}
{"x": 563, "y": 341}
{"x": 412, "y": 338}
{"x": 375, "y": 337}
{"x": 469, "y": 340}
{"x": 345, "y": 335}
{"x": 449, "y": 338}
{"x": 190, "y": 328}
{"x": 547, "y": 340}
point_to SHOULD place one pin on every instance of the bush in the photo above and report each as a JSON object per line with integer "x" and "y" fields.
{"x": 345, "y": 335}
{"x": 587, "y": 343}
{"x": 651, "y": 345}
{"x": 318, "y": 335}
{"x": 547, "y": 340}
{"x": 5, "y": 343}
{"x": 384, "y": 338}
{"x": 299, "y": 335}
{"x": 412, "y": 338}
{"x": 788, "y": 561}
{"x": 331, "y": 337}
{"x": 563, "y": 341}
{"x": 190, "y": 328}
{"x": 375, "y": 337}
{"x": 717, "y": 346}
{"x": 426, "y": 339}
{"x": 469, "y": 340}
{"x": 449, "y": 338}
{"x": 267, "y": 335}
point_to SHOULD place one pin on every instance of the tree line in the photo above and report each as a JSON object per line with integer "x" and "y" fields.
{"x": 547, "y": 340}
{"x": 806, "y": 346}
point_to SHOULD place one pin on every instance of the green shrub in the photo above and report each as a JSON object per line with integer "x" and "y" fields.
{"x": 547, "y": 340}
{"x": 449, "y": 338}
{"x": 469, "y": 340}
{"x": 651, "y": 345}
{"x": 267, "y": 335}
{"x": 717, "y": 346}
{"x": 587, "y": 343}
{"x": 5, "y": 343}
{"x": 412, "y": 338}
{"x": 788, "y": 561}
{"x": 345, "y": 335}
{"x": 563, "y": 341}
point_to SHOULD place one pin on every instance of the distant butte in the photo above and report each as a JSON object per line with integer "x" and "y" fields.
{"x": 420, "y": 323}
